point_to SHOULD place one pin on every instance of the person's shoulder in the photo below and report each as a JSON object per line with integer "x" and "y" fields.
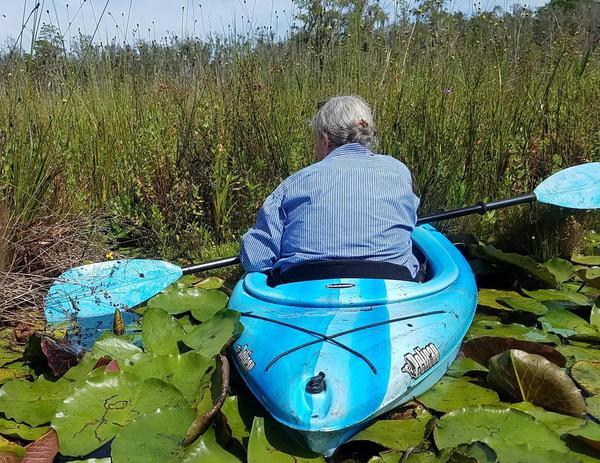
{"x": 395, "y": 164}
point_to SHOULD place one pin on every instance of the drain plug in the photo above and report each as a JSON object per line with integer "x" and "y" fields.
{"x": 316, "y": 385}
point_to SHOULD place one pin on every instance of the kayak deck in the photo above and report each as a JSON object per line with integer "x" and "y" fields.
{"x": 325, "y": 357}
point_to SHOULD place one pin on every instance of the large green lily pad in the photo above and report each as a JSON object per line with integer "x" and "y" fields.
{"x": 210, "y": 337}
{"x": 99, "y": 407}
{"x": 513, "y": 330}
{"x": 452, "y": 393}
{"x": 269, "y": 442}
{"x": 161, "y": 332}
{"x": 95, "y": 411}
{"x": 534, "y": 379}
{"x": 396, "y": 434}
{"x": 587, "y": 374}
{"x": 206, "y": 448}
{"x": 558, "y": 422}
{"x": 561, "y": 269}
{"x": 187, "y": 372}
{"x": 489, "y": 299}
{"x": 524, "y": 304}
{"x": 213, "y": 301}
{"x": 586, "y": 260}
{"x": 511, "y": 433}
{"x": 568, "y": 325}
{"x": 210, "y": 283}
{"x": 34, "y": 402}
{"x": 576, "y": 353}
{"x": 179, "y": 298}
{"x": 539, "y": 271}
{"x": 153, "y": 437}
{"x": 545, "y": 295}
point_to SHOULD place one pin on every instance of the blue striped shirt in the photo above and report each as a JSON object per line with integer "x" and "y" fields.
{"x": 353, "y": 204}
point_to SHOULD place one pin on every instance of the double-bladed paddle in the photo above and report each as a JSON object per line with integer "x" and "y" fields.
{"x": 99, "y": 289}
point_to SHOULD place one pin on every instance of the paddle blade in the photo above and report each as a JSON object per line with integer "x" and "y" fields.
{"x": 577, "y": 187}
{"x": 96, "y": 290}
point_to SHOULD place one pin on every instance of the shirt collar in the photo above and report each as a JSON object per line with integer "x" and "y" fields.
{"x": 349, "y": 148}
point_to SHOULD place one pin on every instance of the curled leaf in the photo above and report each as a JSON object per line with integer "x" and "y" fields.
{"x": 118, "y": 323}
{"x": 61, "y": 356}
{"x": 483, "y": 348}
{"x": 534, "y": 379}
{"x": 43, "y": 450}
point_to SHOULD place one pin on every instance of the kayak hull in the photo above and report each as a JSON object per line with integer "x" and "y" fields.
{"x": 327, "y": 357}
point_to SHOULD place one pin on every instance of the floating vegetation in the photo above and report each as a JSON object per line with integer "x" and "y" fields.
{"x": 525, "y": 385}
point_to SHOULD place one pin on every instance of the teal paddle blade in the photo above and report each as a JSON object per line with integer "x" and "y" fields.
{"x": 577, "y": 187}
{"x": 91, "y": 293}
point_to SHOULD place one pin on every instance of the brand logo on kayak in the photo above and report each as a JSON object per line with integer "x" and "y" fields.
{"x": 244, "y": 358}
{"x": 421, "y": 360}
{"x": 340, "y": 285}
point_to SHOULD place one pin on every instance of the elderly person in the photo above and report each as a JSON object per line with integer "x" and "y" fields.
{"x": 349, "y": 215}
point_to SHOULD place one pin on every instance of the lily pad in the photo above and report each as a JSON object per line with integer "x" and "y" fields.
{"x": 10, "y": 374}
{"x": 586, "y": 260}
{"x": 34, "y": 402}
{"x": 558, "y": 422}
{"x": 153, "y": 437}
{"x": 510, "y": 433}
{"x": 452, "y": 393}
{"x": 561, "y": 269}
{"x": 210, "y": 283}
{"x": 534, "y": 379}
{"x": 483, "y": 348}
{"x": 590, "y": 434}
{"x": 463, "y": 365}
{"x": 161, "y": 332}
{"x": 210, "y": 337}
{"x": 117, "y": 347}
{"x": 231, "y": 410}
{"x": 8, "y": 356}
{"x": 95, "y": 411}
{"x": 489, "y": 299}
{"x": 476, "y": 452}
{"x": 187, "y": 372}
{"x": 22, "y": 431}
{"x": 206, "y": 448}
{"x": 593, "y": 406}
{"x": 396, "y": 434}
{"x": 524, "y": 304}
{"x": 269, "y": 442}
{"x": 513, "y": 330}
{"x": 595, "y": 315}
{"x": 568, "y": 325}
{"x": 179, "y": 298}
{"x": 213, "y": 301}
{"x": 590, "y": 275}
{"x": 587, "y": 375}
{"x": 525, "y": 263}
{"x": 558, "y": 295}
{"x": 576, "y": 353}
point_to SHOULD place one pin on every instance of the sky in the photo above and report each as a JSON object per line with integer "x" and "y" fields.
{"x": 155, "y": 19}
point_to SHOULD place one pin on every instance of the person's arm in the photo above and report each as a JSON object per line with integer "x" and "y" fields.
{"x": 261, "y": 245}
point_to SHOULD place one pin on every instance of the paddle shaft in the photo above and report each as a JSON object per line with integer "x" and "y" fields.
{"x": 479, "y": 208}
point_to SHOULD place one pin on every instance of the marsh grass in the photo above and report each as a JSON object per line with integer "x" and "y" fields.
{"x": 180, "y": 142}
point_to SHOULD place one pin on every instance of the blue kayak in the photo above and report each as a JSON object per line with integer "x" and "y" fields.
{"x": 326, "y": 357}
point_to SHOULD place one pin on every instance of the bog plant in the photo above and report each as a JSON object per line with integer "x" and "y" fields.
{"x": 180, "y": 140}
{"x": 527, "y": 382}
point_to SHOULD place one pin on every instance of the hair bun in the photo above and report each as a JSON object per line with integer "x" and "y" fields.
{"x": 364, "y": 124}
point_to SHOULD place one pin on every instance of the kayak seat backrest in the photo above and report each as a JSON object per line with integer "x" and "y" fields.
{"x": 443, "y": 271}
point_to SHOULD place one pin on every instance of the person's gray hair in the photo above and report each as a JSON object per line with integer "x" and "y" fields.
{"x": 345, "y": 119}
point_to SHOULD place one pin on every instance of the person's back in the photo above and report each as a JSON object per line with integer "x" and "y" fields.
{"x": 351, "y": 205}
